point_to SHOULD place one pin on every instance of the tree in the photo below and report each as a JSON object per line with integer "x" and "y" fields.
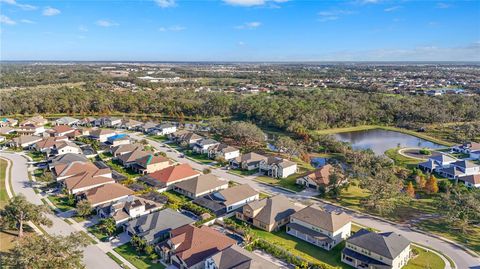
{"x": 421, "y": 183}
{"x": 287, "y": 145}
{"x": 336, "y": 182}
{"x": 84, "y": 208}
{"x": 53, "y": 251}
{"x": 108, "y": 226}
{"x": 207, "y": 171}
{"x": 19, "y": 211}
{"x": 384, "y": 188}
{"x": 431, "y": 186}
{"x": 460, "y": 207}
{"x": 410, "y": 190}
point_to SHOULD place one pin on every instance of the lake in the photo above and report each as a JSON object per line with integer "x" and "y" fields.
{"x": 380, "y": 140}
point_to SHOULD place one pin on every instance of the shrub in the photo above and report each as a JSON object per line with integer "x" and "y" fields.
{"x": 425, "y": 152}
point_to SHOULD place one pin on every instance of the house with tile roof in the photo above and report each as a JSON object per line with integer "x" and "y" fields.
{"x": 104, "y": 194}
{"x": 366, "y": 249}
{"x": 316, "y": 179}
{"x": 164, "y": 179}
{"x": 30, "y": 129}
{"x": 87, "y": 180}
{"x": 190, "y": 247}
{"x": 150, "y": 163}
{"x": 47, "y": 143}
{"x": 319, "y": 227}
{"x": 8, "y": 122}
{"x": 64, "y": 147}
{"x": 35, "y": 120}
{"x": 200, "y": 185}
{"x": 472, "y": 181}
{"x": 25, "y": 141}
{"x": 268, "y": 214}
{"x": 249, "y": 161}
{"x": 62, "y": 171}
{"x": 101, "y": 134}
{"x": 123, "y": 149}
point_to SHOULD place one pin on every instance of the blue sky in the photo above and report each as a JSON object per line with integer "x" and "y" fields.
{"x": 240, "y": 30}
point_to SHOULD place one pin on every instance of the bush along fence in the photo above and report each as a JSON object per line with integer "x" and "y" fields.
{"x": 286, "y": 256}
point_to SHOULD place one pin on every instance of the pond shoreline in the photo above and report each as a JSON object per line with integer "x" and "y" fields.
{"x": 387, "y": 128}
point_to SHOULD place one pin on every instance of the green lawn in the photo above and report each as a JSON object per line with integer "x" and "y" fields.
{"x": 117, "y": 260}
{"x": 243, "y": 172}
{"x": 351, "y": 197}
{"x": 122, "y": 170}
{"x": 160, "y": 138}
{"x": 401, "y": 160}
{"x": 99, "y": 234}
{"x": 303, "y": 249}
{"x": 61, "y": 202}
{"x": 36, "y": 156}
{"x": 288, "y": 183}
{"x": 140, "y": 261}
{"x": 471, "y": 239}
{"x": 3, "y": 191}
{"x": 425, "y": 259}
{"x": 199, "y": 158}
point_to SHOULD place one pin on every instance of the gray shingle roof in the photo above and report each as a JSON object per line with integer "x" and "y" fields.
{"x": 273, "y": 209}
{"x": 201, "y": 184}
{"x": 236, "y": 257}
{"x": 388, "y": 245}
{"x": 330, "y": 221}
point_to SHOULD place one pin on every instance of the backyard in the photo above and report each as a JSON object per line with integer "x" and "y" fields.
{"x": 36, "y": 156}
{"x": 140, "y": 261}
{"x": 122, "y": 170}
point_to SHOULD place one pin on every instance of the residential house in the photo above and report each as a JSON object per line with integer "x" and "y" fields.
{"x": 35, "y": 120}
{"x": 249, "y": 161}
{"x": 87, "y": 180}
{"x": 472, "y": 181}
{"x": 67, "y": 121}
{"x": 236, "y": 257}
{"x": 156, "y": 226}
{"x": 459, "y": 169}
{"x": 475, "y": 155}
{"x": 117, "y": 140}
{"x": 128, "y": 159}
{"x": 223, "y": 151}
{"x": 101, "y": 135}
{"x": 150, "y": 163}
{"x": 317, "y": 179}
{"x": 30, "y": 129}
{"x": 130, "y": 124}
{"x": 64, "y": 147}
{"x": 200, "y": 185}
{"x": 466, "y": 148}
{"x": 228, "y": 200}
{"x": 124, "y": 149}
{"x": 148, "y": 127}
{"x": 277, "y": 167}
{"x": 46, "y": 144}
{"x": 202, "y": 146}
{"x": 6, "y": 130}
{"x": 66, "y": 159}
{"x": 133, "y": 207}
{"x": 319, "y": 227}
{"x": 187, "y": 137}
{"x": 62, "y": 171}
{"x": 108, "y": 122}
{"x": 437, "y": 163}
{"x": 366, "y": 249}
{"x": 87, "y": 121}
{"x": 164, "y": 179}
{"x": 25, "y": 141}
{"x": 60, "y": 130}
{"x": 165, "y": 129}
{"x": 8, "y": 122}
{"x": 104, "y": 194}
{"x": 268, "y": 214}
{"x": 189, "y": 246}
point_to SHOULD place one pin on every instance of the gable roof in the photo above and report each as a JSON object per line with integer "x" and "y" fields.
{"x": 62, "y": 129}
{"x": 152, "y": 225}
{"x": 23, "y": 139}
{"x": 465, "y": 164}
{"x": 87, "y": 179}
{"x": 106, "y": 193}
{"x": 201, "y": 184}
{"x": 73, "y": 168}
{"x": 133, "y": 155}
{"x": 49, "y": 142}
{"x": 174, "y": 173}
{"x": 126, "y": 148}
{"x": 224, "y": 148}
{"x": 68, "y": 158}
{"x": 151, "y": 159}
{"x": 443, "y": 158}
{"x": 321, "y": 176}
{"x": 99, "y": 132}
{"x": 330, "y": 221}
{"x": 250, "y": 157}
{"x": 273, "y": 209}
{"x": 236, "y": 257}
{"x": 472, "y": 179}
{"x": 236, "y": 194}
{"x": 388, "y": 245}
{"x": 194, "y": 244}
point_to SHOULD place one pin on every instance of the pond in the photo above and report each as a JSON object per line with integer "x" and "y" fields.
{"x": 379, "y": 140}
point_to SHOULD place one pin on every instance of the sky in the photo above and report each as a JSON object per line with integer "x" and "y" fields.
{"x": 240, "y": 30}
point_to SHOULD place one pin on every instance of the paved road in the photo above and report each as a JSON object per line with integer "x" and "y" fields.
{"x": 462, "y": 259}
{"x": 94, "y": 257}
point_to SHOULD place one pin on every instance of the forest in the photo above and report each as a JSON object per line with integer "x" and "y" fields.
{"x": 292, "y": 110}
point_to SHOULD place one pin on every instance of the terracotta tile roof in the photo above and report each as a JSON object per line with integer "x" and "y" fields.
{"x": 49, "y": 142}
{"x": 62, "y": 129}
{"x": 87, "y": 179}
{"x": 99, "y": 132}
{"x": 472, "y": 179}
{"x": 174, "y": 173}
{"x": 73, "y": 168}
{"x": 194, "y": 244}
{"x": 106, "y": 193}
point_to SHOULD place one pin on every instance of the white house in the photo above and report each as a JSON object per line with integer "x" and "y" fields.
{"x": 164, "y": 129}
{"x": 101, "y": 135}
{"x": 223, "y": 151}
{"x": 277, "y": 167}
{"x": 203, "y": 145}
{"x": 64, "y": 147}
{"x": 67, "y": 121}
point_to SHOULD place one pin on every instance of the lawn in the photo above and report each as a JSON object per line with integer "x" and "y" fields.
{"x": 117, "y": 260}
{"x": 159, "y": 138}
{"x": 98, "y": 233}
{"x": 425, "y": 259}
{"x": 199, "y": 158}
{"x": 288, "y": 183}
{"x": 3, "y": 191}
{"x": 36, "y": 156}
{"x": 471, "y": 239}
{"x": 303, "y": 249}
{"x": 140, "y": 261}
{"x": 242, "y": 173}
{"x": 351, "y": 197}
{"x": 61, "y": 202}
{"x": 401, "y": 160}
{"x": 122, "y": 170}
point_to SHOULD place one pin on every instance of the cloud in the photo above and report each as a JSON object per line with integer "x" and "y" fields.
{"x": 443, "y": 5}
{"x": 175, "y": 28}
{"x": 6, "y": 20}
{"x": 166, "y": 3}
{"x": 332, "y": 15}
{"x": 391, "y": 9}
{"x": 249, "y": 25}
{"x": 22, "y": 6}
{"x": 241, "y": 43}
{"x": 50, "y": 11}
{"x": 27, "y": 21}
{"x": 106, "y": 23}
{"x": 82, "y": 28}
{"x": 251, "y": 3}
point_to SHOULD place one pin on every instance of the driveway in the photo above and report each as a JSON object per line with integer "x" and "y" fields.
{"x": 94, "y": 257}
{"x": 462, "y": 258}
